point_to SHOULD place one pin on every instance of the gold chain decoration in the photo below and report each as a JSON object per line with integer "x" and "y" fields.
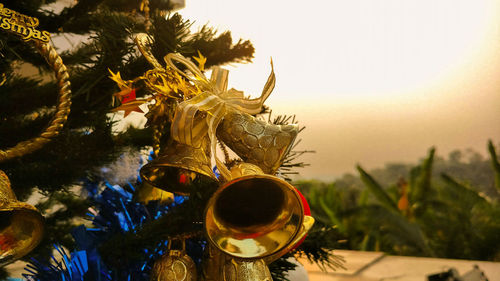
{"x": 64, "y": 97}
{"x": 145, "y": 8}
{"x": 157, "y": 134}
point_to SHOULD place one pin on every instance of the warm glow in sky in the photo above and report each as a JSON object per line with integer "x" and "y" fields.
{"x": 374, "y": 81}
{"x": 351, "y": 49}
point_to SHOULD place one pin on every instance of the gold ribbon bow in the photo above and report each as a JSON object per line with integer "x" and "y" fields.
{"x": 189, "y": 127}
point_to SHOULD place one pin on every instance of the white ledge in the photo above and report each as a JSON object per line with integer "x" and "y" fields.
{"x": 375, "y": 266}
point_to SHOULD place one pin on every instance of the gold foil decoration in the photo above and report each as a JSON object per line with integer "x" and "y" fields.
{"x": 174, "y": 265}
{"x": 178, "y": 166}
{"x": 21, "y": 225}
{"x": 162, "y": 81}
{"x": 256, "y": 141}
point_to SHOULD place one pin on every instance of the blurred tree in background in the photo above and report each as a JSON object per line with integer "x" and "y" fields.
{"x": 464, "y": 165}
{"x": 417, "y": 212}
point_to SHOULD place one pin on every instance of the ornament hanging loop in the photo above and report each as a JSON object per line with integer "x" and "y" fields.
{"x": 171, "y": 241}
{"x": 174, "y": 265}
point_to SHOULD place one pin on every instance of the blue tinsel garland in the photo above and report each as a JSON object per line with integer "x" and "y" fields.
{"x": 114, "y": 212}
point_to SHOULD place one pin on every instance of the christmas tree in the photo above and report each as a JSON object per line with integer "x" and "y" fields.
{"x": 127, "y": 41}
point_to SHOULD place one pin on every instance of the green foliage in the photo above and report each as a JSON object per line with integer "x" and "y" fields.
{"x": 470, "y": 220}
{"x": 494, "y": 163}
{"x": 319, "y": 244}
{"x": 3, "y": 274}
{"x": 420, "y": 182}
{"x": 377, "y": 190}
{"x": 280, "y": 267}
{"x": 417, "y": 215}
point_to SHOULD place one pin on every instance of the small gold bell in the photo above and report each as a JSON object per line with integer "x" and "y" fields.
{"x": 178, "y": 166}
{"x": 21, "y": 225}
{"x": 256, "y": 141}
{"x": 175, "y": 265}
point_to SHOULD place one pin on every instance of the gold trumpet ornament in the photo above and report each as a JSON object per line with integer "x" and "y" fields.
{"x": 21, "y": 225}
{"x": 251, "y": 221}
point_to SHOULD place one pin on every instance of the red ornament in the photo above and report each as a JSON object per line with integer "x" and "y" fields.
{"x": 307, "y": 209}
{"x": 7, "y": 242}
{"x": 307, "y": 212}
{"x": 129, "y": 97}
{"x": 183, "y": 179}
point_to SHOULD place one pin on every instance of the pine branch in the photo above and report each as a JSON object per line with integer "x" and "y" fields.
{"x": 186, "y": 218}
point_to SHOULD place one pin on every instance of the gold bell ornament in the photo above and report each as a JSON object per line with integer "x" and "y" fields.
{"x": 21, "y": 225}
{"x": 146, "y": 193}
{"x": 256, "y": 141}
{"x": 174, "y": 265}
{"x": 179, "y": 166}
{"x": 250, "y": 221}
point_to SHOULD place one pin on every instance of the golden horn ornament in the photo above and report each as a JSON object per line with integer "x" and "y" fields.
{"x": 178, "y": 167}
{"x": 256, "y": 141}
{"x": 252, "y": 220}
{"x": 174, "y": 265}
{"x": 21, "y": 225}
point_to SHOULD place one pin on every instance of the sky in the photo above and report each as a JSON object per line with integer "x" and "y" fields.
{"x": 373, "y": 81}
